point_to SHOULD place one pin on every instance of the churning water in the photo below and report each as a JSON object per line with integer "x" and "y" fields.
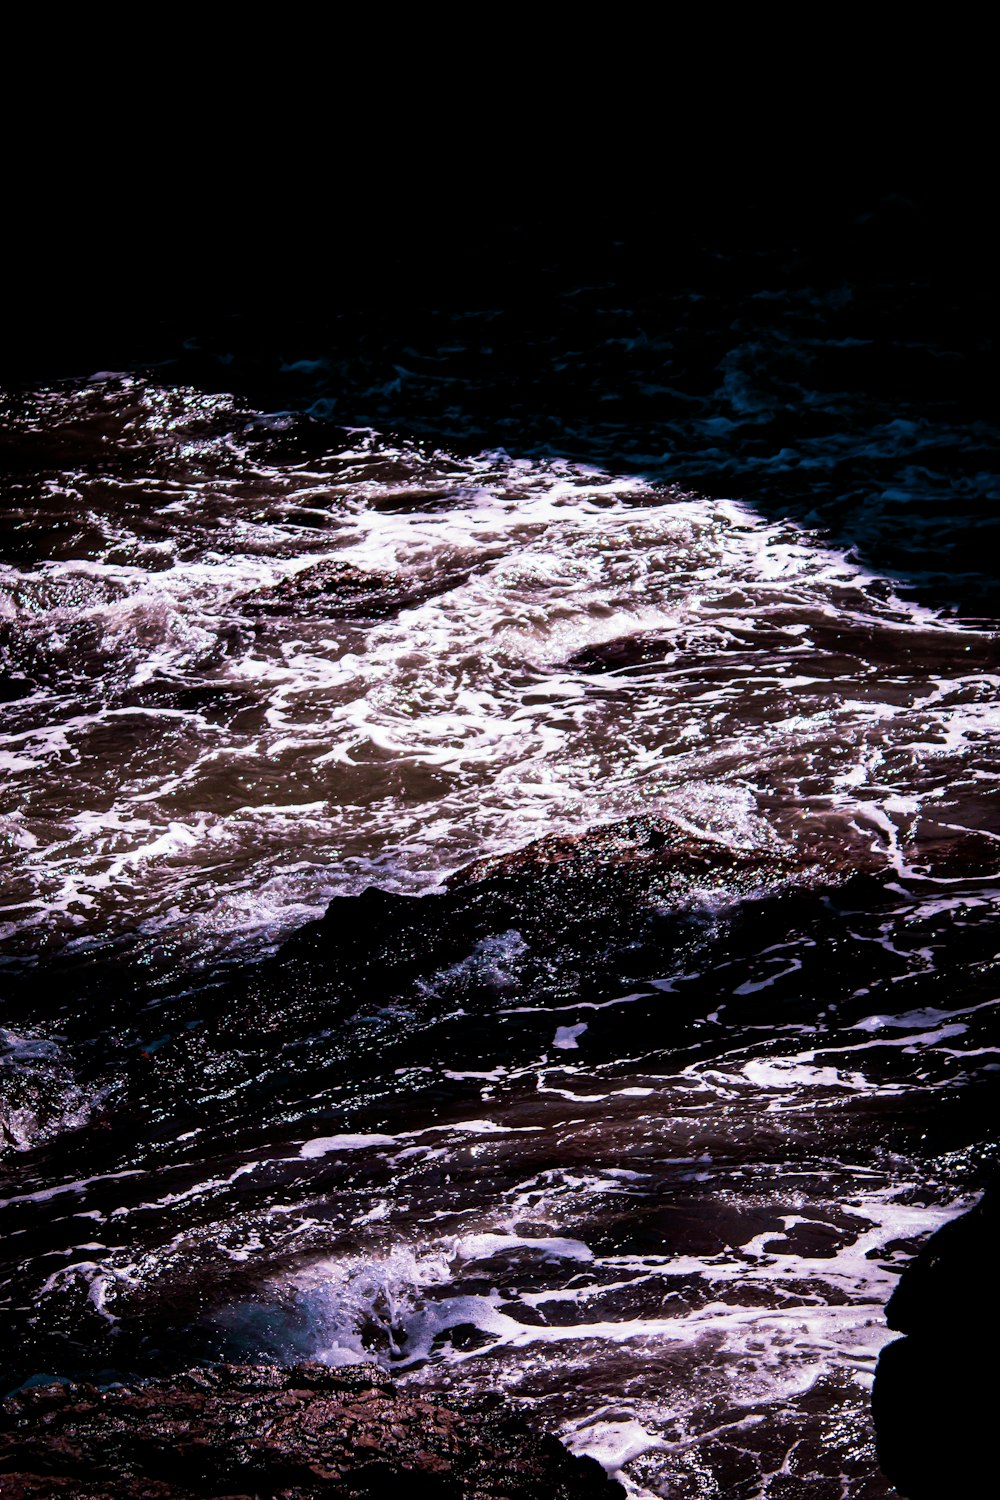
{"x": 254, "y": 662}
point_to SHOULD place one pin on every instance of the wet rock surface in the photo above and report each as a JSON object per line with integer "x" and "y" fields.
{"x": 934, "y": 1399}
{"x": 384, "y": 976}
{"x": 256, "y": 1431}
{"x": 648, "y": 851}
{"x": 591, "y": 894}
{"x": 339, "y": 588}
{"x": 514, "y": 959}
{"x": 563, "y": 918}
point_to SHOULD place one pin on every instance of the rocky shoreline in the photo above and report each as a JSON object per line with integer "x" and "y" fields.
{"x": 246, "y": 1432}
{"x": 933, "y": 1402}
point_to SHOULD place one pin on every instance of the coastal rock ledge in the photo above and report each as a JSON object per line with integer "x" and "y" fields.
{"x": 245, "y": 1432}
{"x": 935, "y": 1396}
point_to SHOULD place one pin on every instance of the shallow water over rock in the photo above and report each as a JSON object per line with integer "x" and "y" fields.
{"x": 297, "y": 1433}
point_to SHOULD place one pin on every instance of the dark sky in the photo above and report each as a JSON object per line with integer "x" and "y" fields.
{"x": 134, "y": 211}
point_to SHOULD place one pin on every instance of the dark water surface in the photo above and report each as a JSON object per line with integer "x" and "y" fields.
{"x": 717, "y": 555}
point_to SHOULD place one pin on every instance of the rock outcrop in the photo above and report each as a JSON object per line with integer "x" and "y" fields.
{"x": 589, "y": 893}
{"x": 340, "y": 589}
{"x": 934, "y": 1400}
{"x": 246, "y": 1432}
{"x": 560, "y": 920}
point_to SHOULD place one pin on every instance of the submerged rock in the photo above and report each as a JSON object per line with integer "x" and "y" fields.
{"x": 574, "y": 901}
{"x": 651, "y": 851}
{"x": 560, "y": 920}
{"x": 934, "y": 1400}
{"x": 245, "y": 1431}
{"x": 339, "y": 588}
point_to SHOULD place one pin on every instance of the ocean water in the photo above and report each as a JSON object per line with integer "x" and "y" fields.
{"x": 723, "y": 563}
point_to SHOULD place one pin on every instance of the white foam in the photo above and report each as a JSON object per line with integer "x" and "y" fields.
{"x": 457, "y": 728}
{"x": 481, "y": 1127}
{"x": 77, "y": 1186}
{"x": 566, "y": 1036}
{"x": 483, "y": 1246}
{"x": 323, "y": 1145}
{"x": 613, "y": 1442}
{"x": 791, "y": 1073}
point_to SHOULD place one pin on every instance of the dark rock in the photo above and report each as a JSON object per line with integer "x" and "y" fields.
{"x": 934, "y": 1400}
{"x": 246, "y": 1432}
{"x": 551, "y": 888}
{"x": 650, "y": 855}
{"x": 575, "y": 903}
{"x": 339, "y": 588}
{"x": 573, "y": 916}
{"x": 13, "y": 688}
